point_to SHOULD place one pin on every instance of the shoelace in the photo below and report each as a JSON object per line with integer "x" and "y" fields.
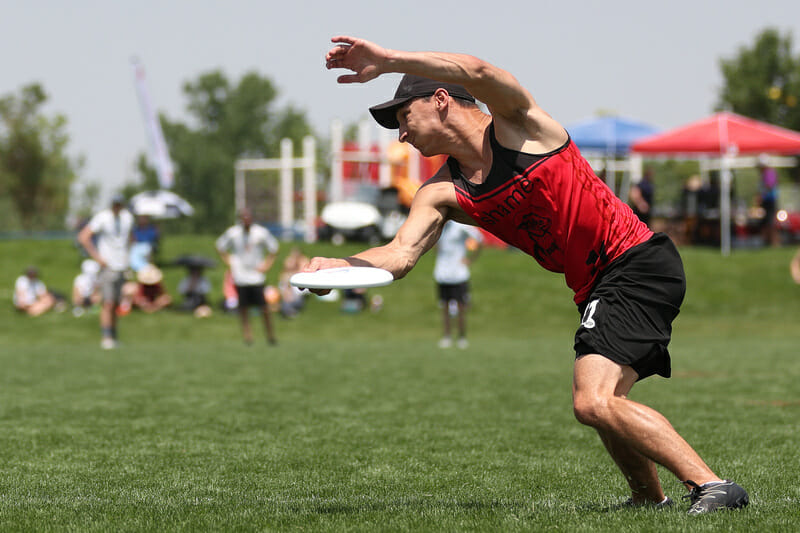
{"x": 695, "y": 493}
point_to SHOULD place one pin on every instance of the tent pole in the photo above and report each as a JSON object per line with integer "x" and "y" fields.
{"x": 725, "y": 205}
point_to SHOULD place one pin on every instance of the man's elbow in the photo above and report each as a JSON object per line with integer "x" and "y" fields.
{"x": 84, "y": 238}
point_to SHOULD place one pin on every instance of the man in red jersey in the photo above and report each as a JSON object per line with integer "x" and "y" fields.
{"x": 516, "y": 173}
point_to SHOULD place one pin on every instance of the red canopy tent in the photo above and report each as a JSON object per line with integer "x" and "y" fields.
{"x": 724, "y": 135}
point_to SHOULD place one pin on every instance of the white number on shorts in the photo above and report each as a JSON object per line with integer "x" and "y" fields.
{"x": 588, "y": 315}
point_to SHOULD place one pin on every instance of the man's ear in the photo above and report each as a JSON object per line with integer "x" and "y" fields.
{"x": 441, "y": 98}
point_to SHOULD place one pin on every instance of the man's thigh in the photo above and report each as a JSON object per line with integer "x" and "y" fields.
{"x": 111, "y": 285}
{"x": 596, "y": 375}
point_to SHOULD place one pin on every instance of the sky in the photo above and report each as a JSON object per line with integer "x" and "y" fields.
{"x": 653, "y": 62}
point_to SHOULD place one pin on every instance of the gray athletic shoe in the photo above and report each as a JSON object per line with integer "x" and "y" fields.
{"x": 712, "y": 496}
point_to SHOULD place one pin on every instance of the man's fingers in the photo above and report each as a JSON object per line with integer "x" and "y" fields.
{"x": 343, "y": 40}
{"x": 313, "y": 265}
{"x": 349, "y": 78}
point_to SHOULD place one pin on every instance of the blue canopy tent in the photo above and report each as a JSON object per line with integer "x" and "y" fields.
{"x": 610, "y": 138}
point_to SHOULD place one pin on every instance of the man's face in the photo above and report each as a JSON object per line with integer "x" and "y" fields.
{"x": 246, "y": 218}
{"x": 419, "y": 123}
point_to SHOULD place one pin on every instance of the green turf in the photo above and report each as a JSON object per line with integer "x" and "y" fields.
{"x": 361, "y": 423}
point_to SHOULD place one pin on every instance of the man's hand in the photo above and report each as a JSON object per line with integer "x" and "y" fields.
{"x": 321, "y": 263}
{"x": 362, "y": 57}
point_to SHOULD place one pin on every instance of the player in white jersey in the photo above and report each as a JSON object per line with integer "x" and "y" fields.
{"x": 249, "y": 250}
{"x": 113, "y": 229}
{"x": 457, "y": 248}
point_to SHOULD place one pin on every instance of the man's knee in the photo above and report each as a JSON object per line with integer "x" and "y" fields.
{"x": 592, "y": 410}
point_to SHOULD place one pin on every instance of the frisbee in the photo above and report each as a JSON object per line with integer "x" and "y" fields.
{"x": 351, "y": 277}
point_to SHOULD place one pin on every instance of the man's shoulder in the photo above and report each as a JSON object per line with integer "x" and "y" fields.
{"x": 538, "y": 133}
{"x": 100, "y": 217}
{"x": 441, "y": 180}
{"x": 260, "y": 232}
{"x": 232, "y": 230}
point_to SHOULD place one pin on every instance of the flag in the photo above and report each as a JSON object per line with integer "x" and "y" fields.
{"x": 158, "y": 147}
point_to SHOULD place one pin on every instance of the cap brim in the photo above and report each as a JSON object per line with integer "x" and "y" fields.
{"x": 385, "y": 114}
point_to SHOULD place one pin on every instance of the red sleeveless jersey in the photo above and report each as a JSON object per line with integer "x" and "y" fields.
{"x": 553, "y": 207}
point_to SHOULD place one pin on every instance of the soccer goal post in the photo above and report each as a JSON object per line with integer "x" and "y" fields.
{"x": 287, "y": 191}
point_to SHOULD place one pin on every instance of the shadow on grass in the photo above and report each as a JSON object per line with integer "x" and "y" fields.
{"x": 622, "y": 507}
{"x": 418, "y": 504}
{"x": 516, "y": 507}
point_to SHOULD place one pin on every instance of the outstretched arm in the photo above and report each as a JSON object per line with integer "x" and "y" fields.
{"x": 506, "y": 99}
{"x": 417, "y": 235}
{"x": 493, "y": 86}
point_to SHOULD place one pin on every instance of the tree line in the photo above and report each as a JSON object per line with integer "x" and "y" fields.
{"x": 234, "y": 119}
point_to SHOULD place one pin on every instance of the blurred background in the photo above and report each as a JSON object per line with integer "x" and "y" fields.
{"x": 101, "y": 98}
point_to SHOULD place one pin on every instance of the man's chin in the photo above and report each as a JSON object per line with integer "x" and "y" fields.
{"x": 424, "y": 151}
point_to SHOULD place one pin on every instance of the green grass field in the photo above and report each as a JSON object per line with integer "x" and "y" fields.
{"x": 362, "y": 423}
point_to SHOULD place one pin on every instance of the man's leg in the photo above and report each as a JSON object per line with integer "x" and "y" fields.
{"x": 634, "y": 434}
{"x": 42, "y": 305}
{"x": 111, "y": 285}
{"x": 639, "y": 471}
{"x": 268, "y": 324}
{"x": 462, "y": 319}
{"x": 108, "y": 319}
{"x": 244, "y": 317}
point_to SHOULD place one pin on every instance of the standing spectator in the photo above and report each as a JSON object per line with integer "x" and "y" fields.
{"x": 85, "y": 287}
{"x": 641, "y": 196}
{"x": 249, "y": 250}
{"x": 768, "y": 192}
{"x": 457, "y": 248}
{"x": 113, "y": 228}
{"x": 31, "y": 295}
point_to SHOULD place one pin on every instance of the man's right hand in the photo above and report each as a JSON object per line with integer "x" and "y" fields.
{"x": 321, "y": 263}
{"x": 363, "y": 57}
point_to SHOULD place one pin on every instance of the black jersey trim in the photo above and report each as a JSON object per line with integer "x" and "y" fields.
{"x": 472, "y": 191}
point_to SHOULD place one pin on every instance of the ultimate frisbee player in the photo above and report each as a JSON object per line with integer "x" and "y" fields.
{"x": 516, "y": 173}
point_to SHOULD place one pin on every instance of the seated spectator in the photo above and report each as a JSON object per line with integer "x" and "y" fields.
{"x": 140, "y": 255}
{"x": 86, "y": 288}
{"x": 146, "y": 231}
{"x": 31, "y": 295}
{"x": 230, "y": 298}
{"x": 292, "y": 299}
{"x": 150, "y": 295}
{"x": 354, "y": 300}
{"x": 194, "y": 289}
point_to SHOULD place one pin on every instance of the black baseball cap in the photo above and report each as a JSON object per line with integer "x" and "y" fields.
{"x": 411, "y": 87}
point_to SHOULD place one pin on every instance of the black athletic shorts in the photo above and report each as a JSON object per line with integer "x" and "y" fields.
{"x": 454, "y": 292}
{"x": 628, "y": 315}
{"x": 250, "y": 295}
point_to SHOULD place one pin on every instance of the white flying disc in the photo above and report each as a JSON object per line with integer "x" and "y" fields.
{"x": 351, "y": 277}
